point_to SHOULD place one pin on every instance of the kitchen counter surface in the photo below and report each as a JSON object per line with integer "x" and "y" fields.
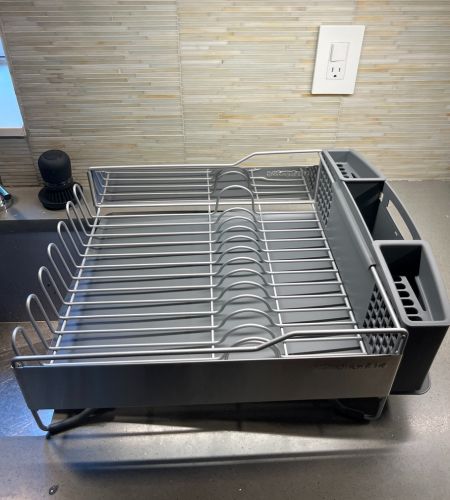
{"x": 240, "y": 451}
{"x": 26, "y": 206}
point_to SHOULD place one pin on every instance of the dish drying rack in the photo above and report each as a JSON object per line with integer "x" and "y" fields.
{"x": 191, "y": 284}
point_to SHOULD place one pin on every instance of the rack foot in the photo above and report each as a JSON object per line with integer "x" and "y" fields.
{"x": 79, "y": 418}
{"x": 363, "y": 409}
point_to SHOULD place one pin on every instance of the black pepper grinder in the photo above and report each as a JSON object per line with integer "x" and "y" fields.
{"x": 56, "y": 172}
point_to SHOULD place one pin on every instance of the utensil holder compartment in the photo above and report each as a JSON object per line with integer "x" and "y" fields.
{"x": 420, "y": 299}
{"x": 347, "y": 165}
{"x": 373, "y": 203}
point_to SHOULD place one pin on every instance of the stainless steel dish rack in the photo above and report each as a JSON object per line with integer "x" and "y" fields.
{"x": 192, "y": 284}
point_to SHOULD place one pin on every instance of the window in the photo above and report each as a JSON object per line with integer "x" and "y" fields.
{"x": 11, "y": 123}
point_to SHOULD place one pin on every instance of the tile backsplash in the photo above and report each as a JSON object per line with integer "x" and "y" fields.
{"x": 113, "y": 82}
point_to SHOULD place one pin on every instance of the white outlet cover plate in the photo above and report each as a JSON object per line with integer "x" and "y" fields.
{"x": 328, "y": 35}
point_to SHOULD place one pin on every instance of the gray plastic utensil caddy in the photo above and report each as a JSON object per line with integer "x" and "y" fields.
{"x": 405, "y": 262}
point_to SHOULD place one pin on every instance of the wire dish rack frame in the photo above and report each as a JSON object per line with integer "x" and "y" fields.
{"x": 216, "y": 272}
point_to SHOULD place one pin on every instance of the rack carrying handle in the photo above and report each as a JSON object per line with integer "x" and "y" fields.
{"x": 390, "y": 196}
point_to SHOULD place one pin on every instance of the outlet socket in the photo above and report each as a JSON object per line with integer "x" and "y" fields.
{"x": 336, "y": 70}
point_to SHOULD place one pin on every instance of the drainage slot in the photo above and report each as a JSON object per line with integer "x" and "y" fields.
{"x": 413, "y": 273}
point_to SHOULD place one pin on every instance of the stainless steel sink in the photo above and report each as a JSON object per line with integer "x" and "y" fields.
{"x": 23, "y": 249}
{"x": 23, "y": 246}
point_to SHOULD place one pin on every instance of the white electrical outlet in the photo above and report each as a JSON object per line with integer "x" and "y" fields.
{"x": 336, "y": 70}
{"x": 337, "y": 59}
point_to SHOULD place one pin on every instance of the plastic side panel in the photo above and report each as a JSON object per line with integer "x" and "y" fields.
{"x": 105, "y": 386}
{"x": 351, "y": 254}
{"x": 366, "y": 196}
{"x": 362, "y": 200}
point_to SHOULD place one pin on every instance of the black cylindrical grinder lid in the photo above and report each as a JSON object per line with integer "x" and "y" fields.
{"x": 55, "y": 167}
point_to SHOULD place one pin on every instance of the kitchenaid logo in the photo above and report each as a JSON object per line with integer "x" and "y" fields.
{"x": 353, "y": 366}
{"x": 283, "y": 173}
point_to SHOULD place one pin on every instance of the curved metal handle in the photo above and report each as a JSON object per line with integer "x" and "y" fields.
{"x": 258, "y": 340}
{"x": 77, "y": 189}
{"x": 19, "y": 330}
{"x": 241, "y": 259}
{"x": 223, "y": 172}
{"x": 236, "y": 209}
{"x": 239, "y": 237}
{"x": 234, "y": 217}
{"x": 243, "y": 282}
{"x": 246, "y": 325}
{"x": 237, "y": 228}
{"x": 234, "y": 186}
{"x": 245, "y": 310}
{"x": 279, "y": 152}
{"x": 244, "y": 296}
{"x": 70, "y": 206}
{"x": 245, "y": 270}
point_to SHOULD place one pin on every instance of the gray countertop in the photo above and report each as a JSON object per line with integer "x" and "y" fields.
{"x": 268, "y": 451}
{"x": 26, "y": 206}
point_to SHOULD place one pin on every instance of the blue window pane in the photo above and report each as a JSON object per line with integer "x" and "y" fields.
{"x": 10, "y": 116}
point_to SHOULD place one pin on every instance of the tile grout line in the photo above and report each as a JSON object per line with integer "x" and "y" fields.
{"x": 180, "y": 72}
{"x": 341, "y": 97}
